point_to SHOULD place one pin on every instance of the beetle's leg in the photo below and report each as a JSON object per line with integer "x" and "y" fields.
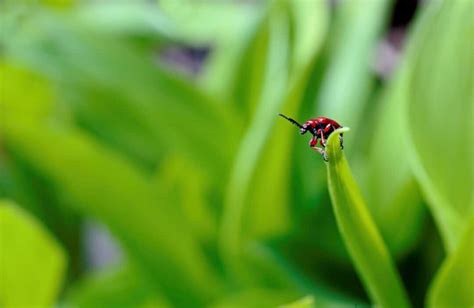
{"x": 323, "y": 141}
{"x": 340, "y": 139}
{"x": 313, "y": 141}
{"x": 321, "y": 151}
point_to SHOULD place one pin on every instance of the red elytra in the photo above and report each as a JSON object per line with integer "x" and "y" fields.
{"x": 320, "y": 128}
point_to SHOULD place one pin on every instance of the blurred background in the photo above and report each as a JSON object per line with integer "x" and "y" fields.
{"x": 142, "y": 162}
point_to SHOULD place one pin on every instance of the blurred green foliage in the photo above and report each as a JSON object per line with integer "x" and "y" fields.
{"x": 213, "y": 199}
{"x": 24, "y": 243}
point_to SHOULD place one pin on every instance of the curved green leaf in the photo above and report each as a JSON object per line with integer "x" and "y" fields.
{"x": 150, "y": 104}
{"x": 287, "y": 63}
{"x": 104, "y": 185}
{"x": 270, "y": 213}
{"x": 228, "y": 27}
{"x": 392, "y": 192}
{"x": 254, "y": 139}
{"x": 349, "y": 80}
{"x": 453, "y": 284}
{"x": 32, "y": 264}
{"x": 439, "y": 109}
{"x": 123, "y": 287}
{"x": 305, "y": 302}
{"x": 361, "y": 236}
{"x": 255, "y": 298}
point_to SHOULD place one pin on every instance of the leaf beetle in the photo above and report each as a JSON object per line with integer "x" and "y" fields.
{"x": 320, "y": 128}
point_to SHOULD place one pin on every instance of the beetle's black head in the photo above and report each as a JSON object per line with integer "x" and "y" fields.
{"x": 304, "y": 129}
{"x": 308, "y": 127}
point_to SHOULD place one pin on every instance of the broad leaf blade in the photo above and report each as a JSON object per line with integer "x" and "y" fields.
{"x": 256, "y": 136}
{"x": 453, "y": 284}
{"x": 154, "y": 110}
{"x": 269, "y": 214}
{"x": 305, "y": 302}
{"x": 393, "y": 198}
{"x": 106, "y": 186}
{"x": 123, "y": 287}
{"x": 361, "y": 236}
{"x": 32, "y": 264}
{"x": 439, "y": 111}
{"x": 349, "y": 80}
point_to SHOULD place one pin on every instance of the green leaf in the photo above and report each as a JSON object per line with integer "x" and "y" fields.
{"x": 310, "y": 21}
{"x": 439, "y": 114}
{"x": 123, "y": 287}
{"x": 32, "y": 264}
{"x": 188, "y": 186}
{"x": 255, "y": 137}
{"x": 453, "y": 284}
{"x": 270, "y": 213}
{"x": 152, "y": 107}
{"x": 287, "y": 62}
{"x": 280, "y": 272}
{"x": 361, "y": 236}
{"x": 32, "y": 105}
{"x": 305, "y": 302}
{"x": 348, "y": 79}
{"x": 227, "y": 27}
{"x": 106, "y": 186}
{"x": 255, "y": 298}
{"x": 397, "y": 197}
{"x": 125, "y": 19}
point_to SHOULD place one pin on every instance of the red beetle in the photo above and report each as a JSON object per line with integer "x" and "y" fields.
{"x": 320, "y": 128}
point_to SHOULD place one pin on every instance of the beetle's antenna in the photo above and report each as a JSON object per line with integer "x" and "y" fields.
{"x": 291, "y": 120}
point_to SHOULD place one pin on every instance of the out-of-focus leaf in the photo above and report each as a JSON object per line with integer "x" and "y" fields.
{"x": 248, "y": 78}
{"x": 392, "y": 193}
{"x": 310, "y": 22}
{"x": 305, "y": 302}
{"x": 202, "y": 21}
{"x": 104, "y": 185}
{"x": 277, "y": 272}
{"x": 115, "y": 288}
{"x": 255, "y": 298}
{"x": 32, "y": 264}
{"x": 56, "y": 4}
{"x": 188, "y": 187}
{"x": 259, "y": 297}
{"x": 31, "y": 94}
{"x": 269, "y": 213}
{"x": 453, "y": 284}
{"x": 122, "y": 19}
{"x": 348, "y": 80}
{"x": 439, "y": 115}
{"x": 288, "y": 60}
{"x": 268, "y": 201}
{"x": 32, "y": 105}
{"x": 255, "y": 137}
{"x": 154, "y": 110}
{"x": 28, "y": 97}
{"x": 361, "y": 236}
{"x": 227, "y": 28}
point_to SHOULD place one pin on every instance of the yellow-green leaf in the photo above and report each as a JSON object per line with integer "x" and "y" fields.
{"x": 439, "y": 114}
{"x": 32, "y": 263}
{"x": 361, "y": 236}
{"x": 453, "y": 285}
